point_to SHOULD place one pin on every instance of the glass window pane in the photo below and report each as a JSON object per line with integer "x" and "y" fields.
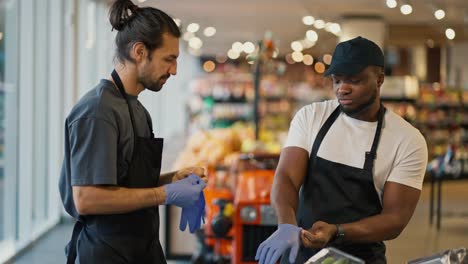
{"x": 8, "y": 117}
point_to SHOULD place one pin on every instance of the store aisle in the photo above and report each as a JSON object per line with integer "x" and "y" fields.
{"x": 419, "y": 239}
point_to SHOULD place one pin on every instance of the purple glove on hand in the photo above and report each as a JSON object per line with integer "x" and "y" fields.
{"x": 285, "y": 237}
{"x": 185, "y": 192}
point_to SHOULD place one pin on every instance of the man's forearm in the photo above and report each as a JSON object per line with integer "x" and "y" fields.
{"x": 166, "y": 178}
{"x": 284, "y": 199}
{"x": 115, "y": 200}
{"x": 375, "y": 228}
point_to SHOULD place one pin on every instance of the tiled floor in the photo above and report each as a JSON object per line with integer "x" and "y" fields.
{"x": 419, "y": 239}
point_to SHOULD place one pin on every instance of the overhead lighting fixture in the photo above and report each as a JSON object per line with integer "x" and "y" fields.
{"x": 1, "y": 35}
{"x": 297, "y": 56}
{"x": 327, "y": 58}
{"x": 195, "y": 43}
{"x": 406, "y": 9}
{"x": 237, "y": 47}
{"x": 319, "y": 24}
{"x": 141, "y": 1}
{"x": 248, "y": 47}
{"x": 193, "y": 27}
{"x": 450, "y": 33}
{"x": 308, "y": 20}
{"x": 308, "y": 60}
{"x": 312, "y": 35}
{"x": 319, "y": 67}
{"x": 296, "y": 46}
{"x": 439, "y": 14}
{"x": 335, "y": 28}
{"x": 391, "y": 3}
{"x": 232, "y": 54}
{"x": 209, "y": 31}
{"x": 209, "y": 66}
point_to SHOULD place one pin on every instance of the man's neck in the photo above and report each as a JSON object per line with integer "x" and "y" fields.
{"x": 129, "y": 77}
{"x": 369, "y": 114}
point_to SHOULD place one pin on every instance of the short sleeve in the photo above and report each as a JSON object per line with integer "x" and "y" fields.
{"x": 298, "y": 135}
{"x": 411, "y": 163}
{"x": 93, "y": 152}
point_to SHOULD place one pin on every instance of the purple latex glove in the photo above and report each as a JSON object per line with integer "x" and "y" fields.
{"x": 285, "y": 237}
{"x": 193, "y": 215}
{"x": 184, "y": 192}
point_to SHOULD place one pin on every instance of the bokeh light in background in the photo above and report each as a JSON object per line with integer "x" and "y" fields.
{"x": 319, "y": 67}
{"x": 209, "y": 66}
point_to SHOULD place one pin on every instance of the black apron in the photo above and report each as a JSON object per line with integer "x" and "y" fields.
{"x": 131, "y": 237}
{"x": 338, "y": 194}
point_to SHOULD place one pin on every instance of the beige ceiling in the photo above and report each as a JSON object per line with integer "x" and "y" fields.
{"x": 248, "y": 20}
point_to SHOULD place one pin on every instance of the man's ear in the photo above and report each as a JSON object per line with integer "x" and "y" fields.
{"x": 138, "y": 51}
{"x": 380, "y": 79}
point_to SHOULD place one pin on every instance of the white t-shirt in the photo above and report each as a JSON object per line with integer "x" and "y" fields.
{"x": 401, "y": 153}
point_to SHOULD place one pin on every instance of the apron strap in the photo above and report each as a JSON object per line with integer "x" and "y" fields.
{"x": 118, "y": 82}
{"x": 323, "y": 131}
{"x": 372, "y": 155}
{"x": 71, "y": 254}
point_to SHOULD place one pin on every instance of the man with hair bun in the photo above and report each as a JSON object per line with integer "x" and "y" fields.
{"x": 110, "y": 180}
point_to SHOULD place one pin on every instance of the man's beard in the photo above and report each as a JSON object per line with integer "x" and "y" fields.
{"x": 361, "y": 108}
{"x": 153, "y": 85}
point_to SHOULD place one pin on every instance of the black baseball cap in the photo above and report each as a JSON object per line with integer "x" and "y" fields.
{"x": 354, "y": 55}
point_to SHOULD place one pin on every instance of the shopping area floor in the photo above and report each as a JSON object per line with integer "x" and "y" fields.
{"x": 419, "y": 238}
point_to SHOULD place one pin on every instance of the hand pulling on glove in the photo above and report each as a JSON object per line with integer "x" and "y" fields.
{"x": 185, "y": 192}
{"x": 286, "y": 237}
{"x": 188, "y": 195}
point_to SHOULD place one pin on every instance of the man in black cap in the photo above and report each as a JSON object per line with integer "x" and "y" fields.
{"x": 350, "y": 173}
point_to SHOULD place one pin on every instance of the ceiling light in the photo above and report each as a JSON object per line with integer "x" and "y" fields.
{"x": 327, "y": 58}
{"x": 319, "y": 67}
{"x": 391, "y": 3}
{"x": 248, "y": 47}
{"x": 450, "y": 33}
{"x": 237, "y": 47}
{"x": 335, "y": 28}
{"x": 319, "y": 24}
{"x": 232, "y": 54}
{"x": 308, "y": 60}
{"x": 195, "y": 43}
{"x": 193, "y": 27}
{"x": 209, "y": 66}
{"x": 439, "y": 14}
{"x": 296, "y": 46}
{"x": 312, "y": 35}
{"x": 1, "y": 35}
{"x": 297, "y": 56}
{"x": 308, "y": 20}
{"x": 209, "y": 31}
{"x": 406, "y": 9}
